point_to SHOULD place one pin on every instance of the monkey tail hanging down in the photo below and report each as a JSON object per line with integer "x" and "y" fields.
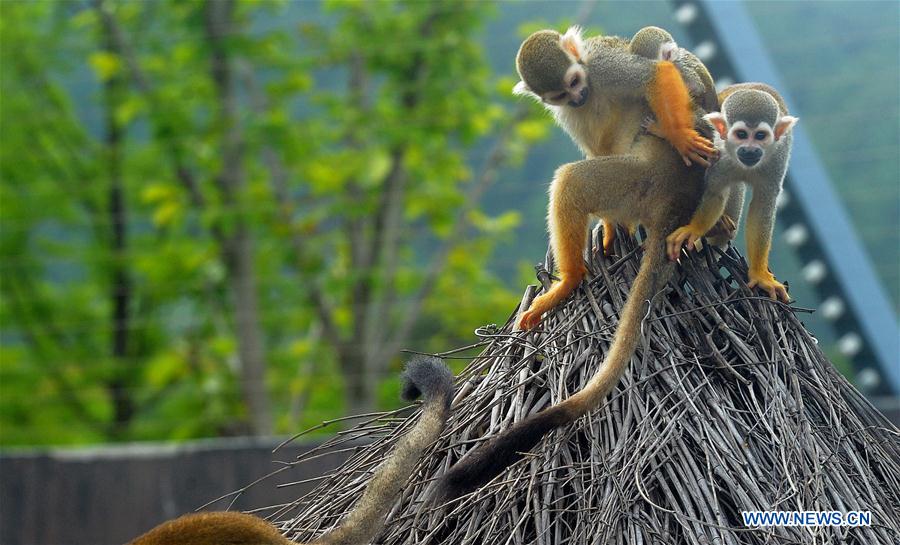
{"x": 488, "y": 460}
{"x": 424, "y": 376}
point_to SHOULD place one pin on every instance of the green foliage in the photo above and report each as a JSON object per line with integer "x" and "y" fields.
{"x": 361, "y": 164}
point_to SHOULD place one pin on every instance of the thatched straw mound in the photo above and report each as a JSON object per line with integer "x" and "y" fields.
{"x": 729, "y": 406}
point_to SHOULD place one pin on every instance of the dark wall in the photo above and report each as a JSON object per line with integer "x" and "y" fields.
{"x": 110, "y": 495}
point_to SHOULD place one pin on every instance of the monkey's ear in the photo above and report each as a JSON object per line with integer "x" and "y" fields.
{"x": 718, "y": 121}
{"x": 784, "y": 125}
{"x": 522, "y": 89}
{"x": 669, "y": 51}
{"x": 572, "y": 42}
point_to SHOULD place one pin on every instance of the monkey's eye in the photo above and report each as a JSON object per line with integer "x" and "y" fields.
{"x": 760, "y": 135}
{"x": 741, "y": 133}
{"x": 561, "y": 96}
{"x": 575, "y": 81}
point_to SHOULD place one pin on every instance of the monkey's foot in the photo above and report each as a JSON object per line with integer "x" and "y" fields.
{"x": 725, "y": 228}
{"x": 766, "y": 281}
{"x": 609, "y": 237}
{"x": 650, "y": 126}
{"x": 530, "y": 319}
{"x": 687, "y": 234}
{"x": 692, "y": 146}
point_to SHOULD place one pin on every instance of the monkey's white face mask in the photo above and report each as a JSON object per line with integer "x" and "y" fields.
{"x": 748, "y": 144}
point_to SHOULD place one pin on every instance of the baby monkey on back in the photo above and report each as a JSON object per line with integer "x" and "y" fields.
{"x": 754, "y": 138}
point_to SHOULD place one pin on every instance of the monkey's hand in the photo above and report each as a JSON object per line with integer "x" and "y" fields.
{"x": 724, "y": 228}
{"x": 688, "y": 234}
{"x": 766, "y": 281}
{"x": 692, "y": 146}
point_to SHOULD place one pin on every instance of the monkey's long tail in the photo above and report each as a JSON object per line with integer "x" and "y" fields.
{"x": 429, "y": 377}
{"x": 487, "y": 461}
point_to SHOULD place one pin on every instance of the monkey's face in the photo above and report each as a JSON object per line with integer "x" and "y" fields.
{"x": 551, "y": 68}
{"x": 574, "y": 90}
{"x": 748, "y": 144}
{"x": 749, "y": 141}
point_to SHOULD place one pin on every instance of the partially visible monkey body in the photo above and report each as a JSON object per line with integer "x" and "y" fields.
{"x": 426, "y": 376}
{"x": 753, "y": 132}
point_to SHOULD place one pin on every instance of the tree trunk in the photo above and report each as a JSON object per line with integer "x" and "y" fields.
{"x": 238, "y": 247}
{"x": 120, "y": 280}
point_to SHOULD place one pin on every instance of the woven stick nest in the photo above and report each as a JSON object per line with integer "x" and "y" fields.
{"x": 728, "y": 406}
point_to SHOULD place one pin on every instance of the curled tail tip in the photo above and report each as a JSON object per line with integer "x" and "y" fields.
{"x": 427, "y": 376}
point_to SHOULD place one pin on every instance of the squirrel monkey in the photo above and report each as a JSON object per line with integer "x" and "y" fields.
{"x": 426, "y": 376}
{"x": 753, "y": 131}
{"x": 585, "y": 83}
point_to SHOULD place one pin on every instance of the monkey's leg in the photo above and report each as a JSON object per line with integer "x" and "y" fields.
{"x": 760, "y": 222}
{"x": 731, "y": 219}
{"x": 609, "y": 235}
{"x": 568, "y": 236}
{"x": 593, "y": 186}
{"x": 711, "y": 207}
{"x": 671, "y": 104}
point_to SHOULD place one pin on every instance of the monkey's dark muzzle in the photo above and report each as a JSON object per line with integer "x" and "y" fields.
{"x": 581, "y": 99}
{"x": 749, "y": 156}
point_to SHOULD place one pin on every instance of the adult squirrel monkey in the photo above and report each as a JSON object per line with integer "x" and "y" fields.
{"x": 586, "y": 83}
{"x": 753, "y": 131}
{"x": 426, "y": 376}
{"x": 650, "y": 186}
{"x": 601, "y": 92}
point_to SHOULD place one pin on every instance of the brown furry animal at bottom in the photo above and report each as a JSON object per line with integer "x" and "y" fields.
{"x": 426, "y": 376}
{"x": 650, "y": 186}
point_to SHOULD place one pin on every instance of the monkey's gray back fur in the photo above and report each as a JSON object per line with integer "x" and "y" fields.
{"x": 431, "y": 378}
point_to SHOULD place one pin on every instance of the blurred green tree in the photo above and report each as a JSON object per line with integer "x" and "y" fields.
{"x": 243, "y": 220}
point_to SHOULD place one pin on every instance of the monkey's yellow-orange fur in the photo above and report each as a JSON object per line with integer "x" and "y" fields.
{"x": 218, "y": 528}
{"x": 671, "y": 104}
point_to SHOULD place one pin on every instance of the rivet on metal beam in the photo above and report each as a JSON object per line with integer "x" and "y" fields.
{"x": 868, "y": 378}
{"x": 796, "y": 235}
{"x": 814, "y": 271}
{"x": 705, "y": 50}
{"x": 686, "y": 14}
{"x": 832, "y": 308}
{"x": 850, "y": 344}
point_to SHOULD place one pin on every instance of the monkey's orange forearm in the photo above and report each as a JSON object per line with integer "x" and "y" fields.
{"x": 672, "y": 106}
{"x": 669, "y": 99}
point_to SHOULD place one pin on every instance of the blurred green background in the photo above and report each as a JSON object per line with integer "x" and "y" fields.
{"x": 218, "y": 222}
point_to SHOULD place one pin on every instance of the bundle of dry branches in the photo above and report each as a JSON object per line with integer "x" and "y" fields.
{"x": 729, "y": 406}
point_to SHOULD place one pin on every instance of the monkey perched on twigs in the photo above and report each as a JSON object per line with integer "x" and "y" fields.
{"x": 648, "y": 184}
{"x": 754, "y": 133}
{"x": 426, "y": 376}
{"x": 588, "y": 85}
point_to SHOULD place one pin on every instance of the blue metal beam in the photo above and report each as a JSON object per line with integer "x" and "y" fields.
{"x": 810, "y": 184}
